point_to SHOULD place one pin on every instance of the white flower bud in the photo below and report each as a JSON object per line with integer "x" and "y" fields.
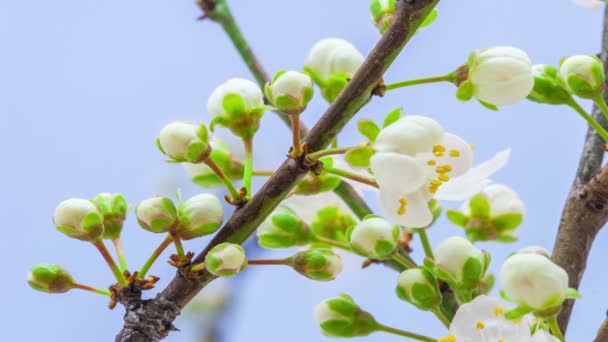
{"x": 502, "y": 200}
{"x": 237, "y": 104}
{"x": 113, "y": 208}
{"x": 183, "y": 141}
{"x": 500, "y": 76}
{"x": 290, "y": 91}
{"x": 374, "y": 238}
{"x": 535, "y": 250}
{"x": 317, "y": 264}
{"x": 419, "y": 287}
{"x": 534, "y": 281}
{"x": 283, "y": 229}
{"x": 459, "y": 263}
{"x": 79, "y": 219}
{"x": 583, "y": 75}
{"x": 226, "y": 260}
{"x": 341, "y": 317}
{"x": 547, "y": 87}
{"x": 410, "y": 135}
{"x": 331, "y": 63}
{"x": 156, "y": 214}
{"x": 199, "y": 216}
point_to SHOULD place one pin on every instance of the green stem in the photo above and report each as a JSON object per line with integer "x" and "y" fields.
{"x": 426, "y": 245}
{"x": 223, "y": 177}
{"x": 590, "y": 120}
{"x": 101, "y": 247}
{"x": 352, "y": 176}
{"x": 120, "y": 252}
{"x": 333, "y": 243}
{"x": 424, "y": 80}
{"x": 92, "y": 289}
{"x": 197, "y": 267}
{"x": 408, "y": 263}
{"x": 601, "y": 104}
{"x": 441, "y": 316}
{"x": 349, "y": 195}
{"x": 268, "y": 262}
{"x": 404, "y": 333}
{"x": 248, "y": 171}
{"x": 157, "y": 252}
{"x": 329, "y": 152}
{"x": 179, "y": 248}
{"x": 555, "y": 328}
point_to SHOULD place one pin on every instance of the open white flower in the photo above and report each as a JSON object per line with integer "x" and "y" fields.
{"x": 416, "y": 161}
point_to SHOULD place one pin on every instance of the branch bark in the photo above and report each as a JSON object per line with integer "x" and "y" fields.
{"x": 141, "y": 319}
{"x": 586, "y": 209}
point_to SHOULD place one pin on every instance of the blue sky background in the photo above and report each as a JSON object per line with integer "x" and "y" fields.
{"x": 85, "y": 86}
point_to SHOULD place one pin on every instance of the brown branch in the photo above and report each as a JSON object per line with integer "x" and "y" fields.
{"x": 602, "y": 333}
{"x": 409, "y": 14}
{"x": 586, "y": 209}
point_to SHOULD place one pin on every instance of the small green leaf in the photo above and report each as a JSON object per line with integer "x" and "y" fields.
{"x": 392, "y": 116}
{"x": 457, "y": 218}
{"x": 507, "y": 222}
{"x": 359, "y": 156}
{"x": 479, "y": 205}
{"x": 368, "y": 129}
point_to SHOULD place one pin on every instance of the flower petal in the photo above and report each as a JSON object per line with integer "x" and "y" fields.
{"x": 409, "y": 135}
{"x": 397, "y": 172}
{"x": 411, "y": 210}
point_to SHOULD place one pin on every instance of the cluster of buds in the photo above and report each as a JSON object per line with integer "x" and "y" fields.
{"x": 492, "y": 214}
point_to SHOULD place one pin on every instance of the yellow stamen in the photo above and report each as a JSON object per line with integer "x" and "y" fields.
{"x": 402, "y": 206}
{"x": 444, "y": 178}
{"x": 498, "y": 311}
{"x": 480, "y": 325}
{"x": 438, "y": 150}
{"x": 449, "y": 338}
{"x": 454, "y": 153}
{"x": 432, "y": 162}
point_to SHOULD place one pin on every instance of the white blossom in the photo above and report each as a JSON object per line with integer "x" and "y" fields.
{"x": 333, "y": 56}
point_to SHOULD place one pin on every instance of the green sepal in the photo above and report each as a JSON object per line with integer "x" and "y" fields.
{"x": 314, "y": 76}
{"x": 465, "y": 91}
{"x": 518, "y": 312}
{"x": 368, "y": 129}
{"x": 479, "y": 205}
{"x": 392, "y": 117}
{"x": 472, "y": 272}
{"x": 233, "y": 105}
{"x": 359, "y": 157}
{"x": 332, "y": 223}
{"x": 457, "y": 217}
{"x": 507, "y": 222}
{"x": 334, "y": 87}
{"x": 506, "y": 238}
{"x": 488, "y": 105}
{"x": 160, "y": 147}
{"x": 429, "y": 264}
{"x": 572, "y": 293}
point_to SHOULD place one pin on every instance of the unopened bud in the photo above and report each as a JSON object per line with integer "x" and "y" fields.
{"x": 459, "y": 263}
{"x": 50, "y": 279}
{"x": 156, "y": 214}
{"x": 283, "y": 229}
{"x": 290, "y": 91}
{"x": 198, "y": 216}
{"x": 342, "y": 317}
{"x": 226, "y": 260}
{"x": 583, "y": 75}
{"x": 79, "y": 219}
{"x": 317, "y": 264}
{"x": 374, "y": 238}
{"x": 113, "y": 208}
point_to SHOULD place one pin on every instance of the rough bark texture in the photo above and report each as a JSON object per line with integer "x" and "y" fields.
{"x": 602, "y": 334}
{"x": 586, "y": 209}
{"x": 151, "y": 320}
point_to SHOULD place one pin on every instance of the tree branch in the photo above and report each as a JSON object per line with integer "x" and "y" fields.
{"x": 409, "y": 14}
{"x": 586, "y": 209}
{"x": 602, "y": 333}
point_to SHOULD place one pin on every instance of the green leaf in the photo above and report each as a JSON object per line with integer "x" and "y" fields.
{"x": 457, "y": 218}
{"x": 368, "y": 129}
{"x": 392, "y": 116}
{"x": 359, "y": 156}
{"x": 507, "y": 222}
{"x": 479, "y": 205}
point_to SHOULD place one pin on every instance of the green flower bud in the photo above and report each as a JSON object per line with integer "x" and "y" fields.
{"x": 290, "y": 91}
{"x": 199, "y": 216}
{"x": 156, "y": 214}
{"x": 374, "y": 238}
{"x": 204, "y": 176}
{"x": 79, "y": 219}
{"x": 382, "y": 13}
{"x": 226, "y": 260}
{"x": 50, "y": 279}
{"x": 283, "y": 229}
{"x": 113, "y": 208}
{"x": 333, "y": 224}
{"x": 582, "y": 75}
{"x": 317, "y": 264}
{"x": 459, "y": 263}
{"x": 238, "y": 105}
{"x": 419, "y": 287}
{"x": 184, "y": 142}
{"x": 547, "y": 87}
{"x": 341, "y": 317}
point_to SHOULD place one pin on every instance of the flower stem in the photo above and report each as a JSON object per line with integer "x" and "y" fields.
{"x": 198, "y": 267}
{"x": 333, "y": 243}
{"x": 404, "y": 333}
{"x": 404, "y": 261}
{"x": 92, "y": 289}
{"x": 424, "y": 80}
{"x": 120, "y": 252}
{"x": 426, "y": 245}
{"x": 157, "y": 252}
{"x": 268, "y": 262}
{"x": 592, "y": 122}
{"x": 329, "y": 152}
{"x": 263, "y": 173}
{"x": 178, "y": 244}
{"x": 352, "y": 176}
{"x": 101, "y": 247}
{"x": 601, "y": 104}
{"x": 555, "y": 328}
{"x": 441, "y": 316}
{"x": 248, "y": 171}
{"x": 295, "y": 134}
{"x": 223, "y": 177}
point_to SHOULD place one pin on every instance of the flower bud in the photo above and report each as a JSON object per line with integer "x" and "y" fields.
{"x": 199, "y": 216}
{"x": 547, "y": 88}
{"x": 204, "y": 176}
{"x": 113, "y": 208}
{"x": 79, "y": 219}
{"x": 534, "y": 281}
{"x": 290, "y": 91}
{"x": 184, "y": 142}
{"x": 237, "y": 104}
{"x": 333, "y": 223}
{"x": 341, "y": 317}
{"x": 283, "y": 229}
{"x": 459, "y": 263}
{"x": 419, "y": 287}
{"x": 226, "y": 260}
{"x": 156, "y": 214}
{"x": 583, "y": 75}
{"x": 382, "y": 13}
{"x": 374, "y": 238}
{"x": 535, "y": 250}
{"x": 317, "y": 264}
{"x": 498, "y": 76}
{"x": 50, "y": 279}
{"x": 331, "y": 63}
